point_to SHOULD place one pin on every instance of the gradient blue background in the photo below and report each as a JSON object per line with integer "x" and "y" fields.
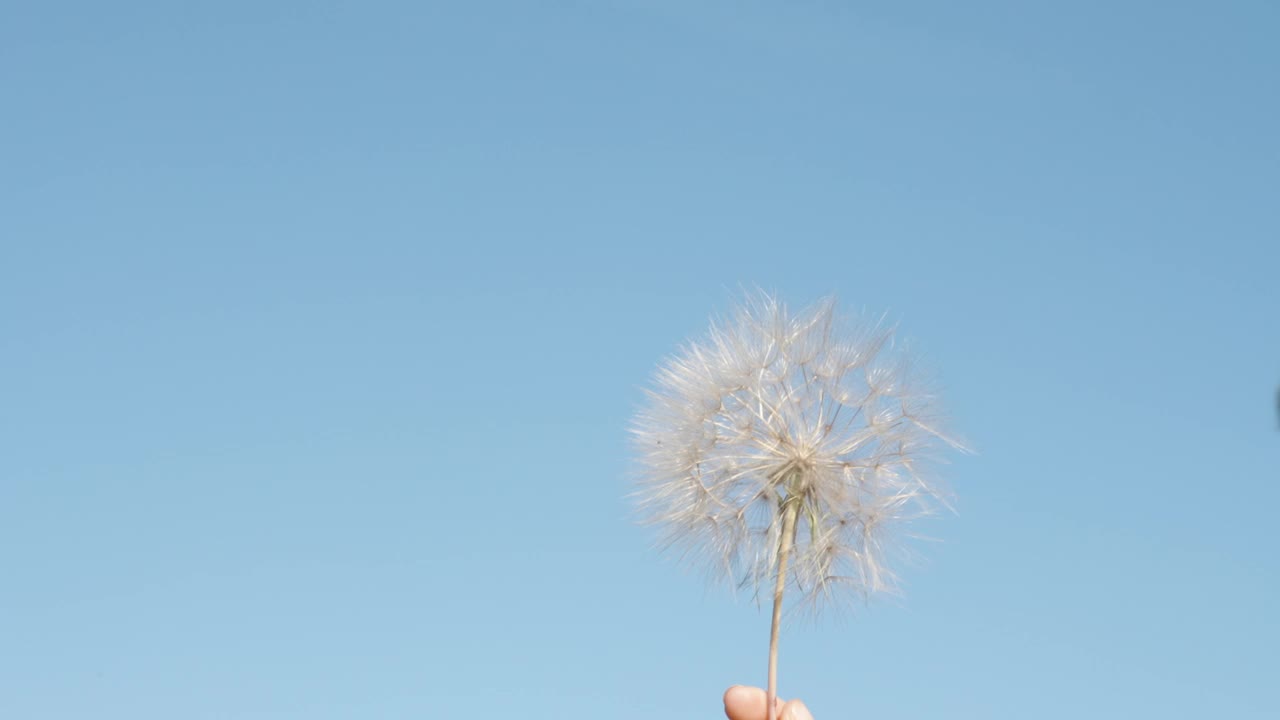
{"x": 321, "y": 326}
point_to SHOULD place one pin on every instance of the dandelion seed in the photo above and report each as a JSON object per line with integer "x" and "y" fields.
{"x": 784, "y": 449}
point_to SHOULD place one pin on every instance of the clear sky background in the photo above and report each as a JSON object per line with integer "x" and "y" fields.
{"x": 321, "y": 325}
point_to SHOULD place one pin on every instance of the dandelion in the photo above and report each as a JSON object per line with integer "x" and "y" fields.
{"x": 785, "y": 449}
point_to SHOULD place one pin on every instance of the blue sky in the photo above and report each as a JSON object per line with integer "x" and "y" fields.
{"x": 321, "y": 325}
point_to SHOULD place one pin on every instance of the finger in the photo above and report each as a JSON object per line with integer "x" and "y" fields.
{"x": 748, "y": 703}
{"x": 795, "y": 710}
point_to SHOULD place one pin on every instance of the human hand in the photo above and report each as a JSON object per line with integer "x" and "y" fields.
{"x": 750, "y": 703}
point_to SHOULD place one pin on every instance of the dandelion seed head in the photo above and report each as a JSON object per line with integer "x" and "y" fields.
{"x": 813, "y": 407}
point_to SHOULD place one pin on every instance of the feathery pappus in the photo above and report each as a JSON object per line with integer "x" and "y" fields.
{"x": 804, "y": 433}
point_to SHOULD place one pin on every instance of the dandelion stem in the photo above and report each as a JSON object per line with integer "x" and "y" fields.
{"x": 790, "y": 508}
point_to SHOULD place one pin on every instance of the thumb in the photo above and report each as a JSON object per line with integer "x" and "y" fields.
{"x": 748, "y": 703}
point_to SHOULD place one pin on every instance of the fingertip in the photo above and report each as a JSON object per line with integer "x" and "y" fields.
{"x": 796, "y": 710}
{"x": 742, "y": 702}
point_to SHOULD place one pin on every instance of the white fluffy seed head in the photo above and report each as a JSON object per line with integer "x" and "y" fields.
{"x": 772, "y": 405}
